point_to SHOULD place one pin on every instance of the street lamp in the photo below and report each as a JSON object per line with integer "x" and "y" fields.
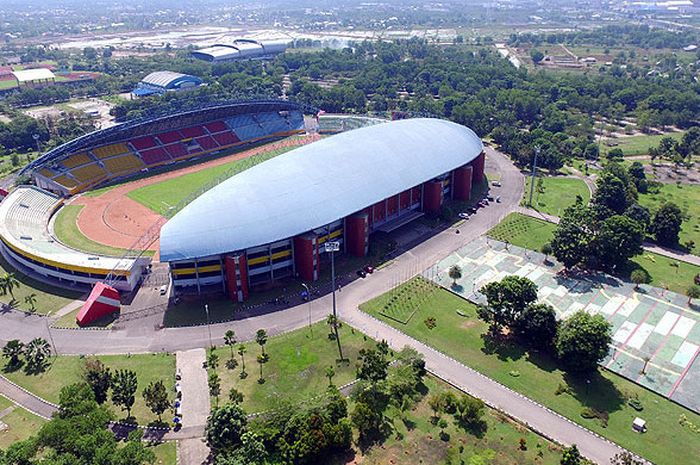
{"x": 48, "y": 330}
{"x": 308, "y": 299}
{"x": 206, "y": 310}
{"x": 331, "y": 247}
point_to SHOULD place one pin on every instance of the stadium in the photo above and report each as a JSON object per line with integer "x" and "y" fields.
{"x": 287, "y": 191}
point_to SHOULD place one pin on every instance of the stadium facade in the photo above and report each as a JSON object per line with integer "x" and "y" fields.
{"x": 271, "y": 221}
{"x": 241, "y": 49}
{"x": 160, "y": 82}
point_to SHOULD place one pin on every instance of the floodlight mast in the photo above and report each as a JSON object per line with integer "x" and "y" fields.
{"x": 331, "y": 247}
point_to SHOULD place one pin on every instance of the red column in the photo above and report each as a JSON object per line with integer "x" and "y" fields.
{"x": 462, "y": 187}
{"x": 306, "y": 259}
{"x": 478, "y": 166}
{"x": 236, "y": 267}
{"x": 357, "y": 234}
{"x": 392, "y": 205}
{"x": 432, "y": 192}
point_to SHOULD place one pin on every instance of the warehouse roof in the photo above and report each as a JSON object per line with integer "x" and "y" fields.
{"x": 37, "y": 74}
{"x": 315, "y": 185}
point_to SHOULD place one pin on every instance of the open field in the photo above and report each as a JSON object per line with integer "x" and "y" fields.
{"x": 166, "y": 453}
{"x": 160, "y": 197}
{"x": 552, "y": 195}
{"x": 637, "y": 145}
{"x": 532, "y": 233}
{"x": 48, "y": 298}
{"x": 21, "y": 424}
{"x": 65, "y": 370}
{"x": 67, "y": 231}
{"x": 420, "y": 441}
{"x": 297, "y": 366}
{"x": 537, "y": 376}
{"x": 687, "y": 197}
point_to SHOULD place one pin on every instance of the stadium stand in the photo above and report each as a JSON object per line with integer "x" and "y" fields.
{"x": 27, "y": 245}
{"x": 142, "y": 144}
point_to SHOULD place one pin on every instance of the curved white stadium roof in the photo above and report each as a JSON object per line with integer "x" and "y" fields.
{"x": 315, "y": 185}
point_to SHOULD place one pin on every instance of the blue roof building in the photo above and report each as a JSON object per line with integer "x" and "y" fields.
{"x": 161, "y": 82}
{"x": 270, "y": 221}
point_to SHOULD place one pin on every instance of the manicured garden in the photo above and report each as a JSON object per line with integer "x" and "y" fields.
{"x": 65, "y": 370}
{"x": 687, "y": 197}
{"x": 552, "y": 195}
{"x": 46, "y": 298}
{"x": 450, "y": 324}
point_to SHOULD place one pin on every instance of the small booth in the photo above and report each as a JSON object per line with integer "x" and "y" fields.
{"x": 639, "y": 425}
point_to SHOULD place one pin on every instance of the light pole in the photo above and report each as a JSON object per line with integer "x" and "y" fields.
{"x": 332, "y": 247}
{"x": 206, "y": 310}
{"x": 48, "y": 330}
{"x": 308, "y": 300}
{"x": 534, "y": 173}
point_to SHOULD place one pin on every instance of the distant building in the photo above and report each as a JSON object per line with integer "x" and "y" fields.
{"x": 34, "y": 77}
{"x": 690, "y": 48}
{"x": 161, "y": 82}
{"x": 241, "y": 49}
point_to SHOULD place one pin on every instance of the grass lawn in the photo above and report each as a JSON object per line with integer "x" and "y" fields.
{"x": 532, "y": 233}
{"x": 536, "y": 375}
{"x": 160, "y": 197}
{"x": 166, "y": 453}
{"x": 21, "y": 424}
{"x": 297, "y": 366}
{"x": 638, "y": 145}
{"x": 65, "y": 370}
{"x": 8, "y": 84}
{"x": 499, "y": 444}
{"x": 687, "y": 197}
{"x": 48, "y": 298}
{"x": 67, "y": 231}
{"x": 553, "y": 195}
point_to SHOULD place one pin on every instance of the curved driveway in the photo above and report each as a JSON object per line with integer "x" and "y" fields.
{"x": 145, "y": 338}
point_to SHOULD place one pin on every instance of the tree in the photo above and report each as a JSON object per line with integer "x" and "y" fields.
{"x": 330, "y": 373}
{"x": 368, "y": 421}
{"x": 241, "y": 351}
{"x": 8, "y": 283}
{"x": 537, "y": 325}
{"x": 639, "y": 214}
{"x": 214, "y": 383}
{"x": 536, "y": 56}
{"x": 455, "y": 273}
{"x": 98, "y": 376}
{"x": 573, "y": 235}
{"x": 156, "y": 397}
{"x": 261, "y": 339}
{"x": 639, "y": 276}
{"x": 619, "y": 238}
{"x": 36, "y": 352}
{"x": 252, "y": 451}
{"x": 611, "y": 193}
{"x": 225, "y": 426}
{"x": 372, "y": 366}
{"x": 615, "y": 154}
{"x": 124, "y": 385}
{"x": 234, "y": 395}
{"x": 12, "y": 351}
{"x": 31, "y": 301}
{"x": 212, "y": 359}
{"x": 582, "y": 341}
{"x": 626, "y": 458}
{"x": 693, "y": 292}
{"x": 469, "y": 412}
{"x": 230, "y": 340}
{"x": 261, "y": 359}
{"x": 571, "y": 456}
{"x": 666, "y": 224}
{"x": 506, "y": 300}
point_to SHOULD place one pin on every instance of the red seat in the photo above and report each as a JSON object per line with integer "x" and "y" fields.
{"x": 176, "y": 150}
{"x": 216, "y": 126}
{"x": 170, "y": 137}
{"x": 153, "y": 156}
{"x": 145, "y": 142}
{"x": 192, "y": 132}
{"x": 226, "y": 138}
{"x": 207, "y": 143}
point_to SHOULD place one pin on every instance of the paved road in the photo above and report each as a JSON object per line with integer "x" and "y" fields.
{"x": 25, "y": 399}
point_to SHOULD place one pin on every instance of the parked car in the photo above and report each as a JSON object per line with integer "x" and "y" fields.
{"x": 489, "y": 198}
{"x": 361, "y": 273}
{"x": 369, "y": 269}
{"x": 498, "y": 199}
{"x": 464, "y": 215}
{"x": 496, "y": 184}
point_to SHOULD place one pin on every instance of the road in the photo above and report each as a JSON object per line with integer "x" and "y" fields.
{"x": 145, "y": 338}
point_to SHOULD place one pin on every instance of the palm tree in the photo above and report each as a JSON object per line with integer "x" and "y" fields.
{"x": 330, "y": 373}
{"x": 242, "y": 350}
{"x": 230, "y": 340}
{"x": 31, "y": 301}
{"x": 693, "y": 292}
{"x": 10, "y": 283}
{"x": 261, "y": 339}
{"x": 36, "y": 353}
{"x": 12, "y": 351}
{"x": 262, "y": 359}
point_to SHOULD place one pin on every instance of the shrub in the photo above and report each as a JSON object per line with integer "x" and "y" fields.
{"x": 430, "y": 322}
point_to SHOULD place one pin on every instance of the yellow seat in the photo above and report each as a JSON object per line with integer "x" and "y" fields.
{"x": 110, "y": 150}
{"x": 88, "y": 173}
{"x": 65, "y": 181}
{"x": 46, "y": 172}
{"x": 124, "y": 164}
{"x": 76, "y": 159}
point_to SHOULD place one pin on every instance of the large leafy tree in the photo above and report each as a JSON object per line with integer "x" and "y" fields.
{"x": 666, "y": 224}
{"x": 98, "y": 376}
{"x": 225, "y": 426}
{"x": 156, "y": 397}
{"x": 583, "y": 340}
{"x": 373, "y": 365}
{"x": 571, "y": 456}
{"x": 506, "y": 300}
{"x": 572, "y": 238}
{"x": 619, "y": 239}
{"x": 537, "y": 325}
{"x": 124, "y": 385}
{"x": 611, "y": 193}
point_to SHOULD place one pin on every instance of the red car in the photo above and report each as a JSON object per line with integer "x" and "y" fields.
{"x": 368, "y": 269}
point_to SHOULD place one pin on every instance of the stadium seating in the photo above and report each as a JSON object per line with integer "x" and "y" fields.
{"x": 195, "y": 131}
{"x": 111, "y": 150}
{"x": 154, "y": 156}
{"x": 67, "y": 182}
{"x": 143, "y": 143}
{"x": 47, "y": 172}
{"x": 216, "y": 126}
{"x": 207, "y": 143}
{"x": 124, "y": 164}
{"x": 250, "y": 132}
{"x": 170, "y": 137}
{"x": 88, "y": 173}
{"x": 226, "y": 138}
{"x": 76, "y": 160}
{"x": 177, "y": 150}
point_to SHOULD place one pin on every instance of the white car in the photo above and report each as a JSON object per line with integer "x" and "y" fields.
{"x": 464, "y": 215}
{"x": 496, "y": 183}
